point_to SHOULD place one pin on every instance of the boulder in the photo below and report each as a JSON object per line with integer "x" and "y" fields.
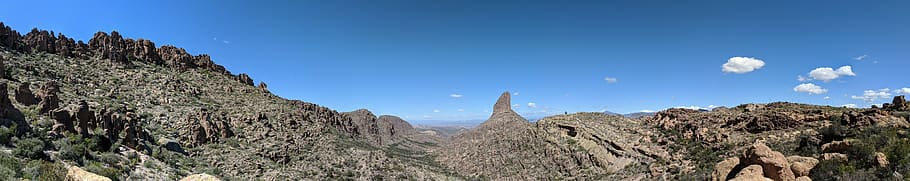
{"x": 751, "y": 173}
{"x": 75, "y": 173}
{"x": 263, "y": 86}
{"x": 881, "y": 159}
{"x": 24, "y": 95}
{"x": 835, "y": 156}
{"x": 722, "y": 169}
{"x": 837, "y": 146}
{"x": 171, "y": 145}
{"x": 205, "y": 127}
{"x": 801, "y": 165}
{"x": 773, "y": 163}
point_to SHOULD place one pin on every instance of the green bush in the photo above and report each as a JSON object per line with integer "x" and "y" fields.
{"x": 32, "y": 148}
{"x": 100, "y": 169}
{"x": 8, "y": 166}
{"x": 43, "y": 170}
{"x": 6, "y": 135}
{"x": 71, "y": 148}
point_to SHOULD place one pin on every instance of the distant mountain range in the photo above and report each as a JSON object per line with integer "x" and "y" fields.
{"x": 631, "y": 115}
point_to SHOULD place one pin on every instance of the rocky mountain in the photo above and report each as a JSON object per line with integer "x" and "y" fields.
{"x": 117, "y": 108}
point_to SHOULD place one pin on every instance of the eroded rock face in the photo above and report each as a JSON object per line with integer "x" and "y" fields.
{"x": 9, "y": 114}
{"x": 84, "y": 118}
{"x": 176, "y": 58}
{"x": 722, "y": 169}
{"x": 111, "y": 47}
{"x": 245, "y": 79}
{"x": 40, "y": 40}
{"x": 205, "y": 127}
{"x": 24, "y": 95}
{"x": 48, "y": 96}
{"x": 10, "y": 38}
{"x": 75, "y": 173}
{"x": 63, "y": 121}
{"x": 503, "y": 104}
{"x": 143, "y": 49}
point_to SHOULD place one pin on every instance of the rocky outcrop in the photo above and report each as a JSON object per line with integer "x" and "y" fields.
{"x": 382, "y": 130}
{"x": 898, "y": 103}
{"x": 84, "y": 118}
{"x": 63, "y": 121}
{"x": 24, "y": 95}
{"x": 9, "y": 115}
{"x": 10, "y": 38}
{"x": 40, "y": 40}
{"x": 759, "y": 160}
{"x": 143, "y": 49}
{"x": 48, "y": 96}
{"x": 75, "y": 173}
{"x": 205, "y": 127}
{"x": 111, "y": 47}
{"x": 244, "y": 78}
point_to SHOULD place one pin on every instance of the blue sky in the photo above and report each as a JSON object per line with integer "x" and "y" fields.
{"x": 408, "y": 57}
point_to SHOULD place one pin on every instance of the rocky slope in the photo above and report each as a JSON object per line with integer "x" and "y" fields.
{"x": 170, "y": 114}
{"x": 126, "y": 109}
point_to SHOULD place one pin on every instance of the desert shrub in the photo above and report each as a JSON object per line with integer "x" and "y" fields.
{"x": 100, "y": 169}
{"x": 32, "y": 148}
{"x": 71, "y": 148}
{"x": 862, "y": 165}
{"x": 43, "y": 170}
{"x": 8, "y": 166}
{"x": 6, "y": 135}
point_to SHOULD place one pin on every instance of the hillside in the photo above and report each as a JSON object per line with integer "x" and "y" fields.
{"x": 125, "y": 109}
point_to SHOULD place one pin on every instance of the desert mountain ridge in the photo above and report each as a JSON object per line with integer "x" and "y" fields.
{"x": 125, "y": 109}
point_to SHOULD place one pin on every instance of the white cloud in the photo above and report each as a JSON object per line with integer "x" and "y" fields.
{"x": 849, "y": 105}
{"x": 532, "y": 105}
{"x": 741, "y": 65}
{"x": 435, "y": 110}
{"x": 226, "y": 42}
{"x": 610, "y": 79}
{"x": 904, "y": 90}
{"x": 455, "y": 95}
{"x": 872, "y": 95}
{"x": 515, "y": 94}
{"x": 827, "y": 97}
{"x": 460, "y": 110}
{"x": 827, "y": 73}
{"x": 810, "y": 88}
{"x": 862, "y": 57}
{"x": 647, "y": 111}
{"x": 516, "y": 106}
{"x": 801, "y": 78}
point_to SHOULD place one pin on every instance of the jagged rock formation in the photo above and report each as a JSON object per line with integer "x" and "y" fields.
{"x": 206, "y": 127}
{"x": 48, "y": 96}
{"x": 9, "y": 115}
{"x": 580, "y": 146}
{"x": 112, "y": 47}
{"x": 384, "y": 129}
{"x": 24, "y": 95}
